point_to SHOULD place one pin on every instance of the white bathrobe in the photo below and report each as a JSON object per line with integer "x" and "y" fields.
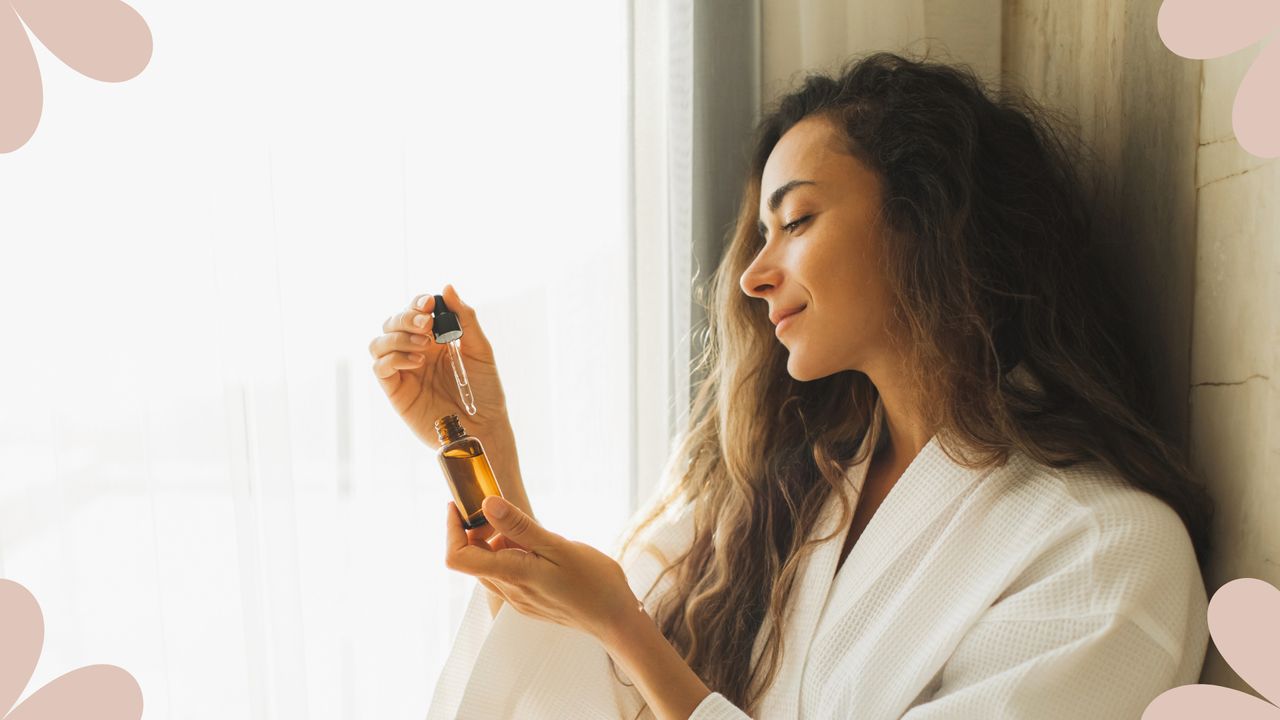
{"x": 1020, "y": 592}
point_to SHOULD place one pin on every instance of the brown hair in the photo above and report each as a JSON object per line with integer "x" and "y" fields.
{"x": 994, "y": 264}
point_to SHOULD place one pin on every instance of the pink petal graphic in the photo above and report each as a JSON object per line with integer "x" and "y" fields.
{"x": 1244, "y": 620}
{"x": 1200, "y": 29}
{"x": 22, "y": 628}
{"x": 1197, "y": 702}
{"x": 1255, "y": 115}
{"x": 97, "y": 692}
{"x": 94, "y": 691}
{"x": 21, "y": 92}
{"x": 104, "y": 39}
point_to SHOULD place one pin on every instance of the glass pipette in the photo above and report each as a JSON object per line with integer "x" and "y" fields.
{"x": 447, "y": 331}
{"x": 460, "y": 376}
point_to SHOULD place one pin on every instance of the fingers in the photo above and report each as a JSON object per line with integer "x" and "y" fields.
{"x": 393, "y": 362}
{"x": 424, "y": 303}
{"x": 519, "y": 528}
{"x": 500, "y": 541}
{"x": 471, "y": 332}
{"x": 409, "y": 320}
{"x": 488, "y": 539}
{"x": 455, "y": 303}
{"x": 456, "y": 540}
{"x": 464, "y": 555}
{"x": 484, "y": 532}
{"x": 494, "y": 589}
{"x": 402, "y": 341}
{"x": 416, "y": 317}
{"x": 492, "y": 539}
{"x": 407, "y": 335}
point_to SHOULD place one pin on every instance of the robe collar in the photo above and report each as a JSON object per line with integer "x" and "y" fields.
{"x": 931, "y": 483}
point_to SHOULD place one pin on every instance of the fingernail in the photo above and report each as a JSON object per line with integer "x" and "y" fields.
{"x": 420, "y": 321}
{"x": 498, "y": 507}
{"x": 422, "y": 302}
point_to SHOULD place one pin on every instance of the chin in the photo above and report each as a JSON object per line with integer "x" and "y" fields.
{"x": 798, "y": 370}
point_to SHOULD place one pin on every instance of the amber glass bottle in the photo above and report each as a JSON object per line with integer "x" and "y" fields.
{"x": 467, "y": 470}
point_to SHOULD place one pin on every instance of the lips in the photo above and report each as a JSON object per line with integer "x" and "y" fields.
{"x": 781, "y": 315}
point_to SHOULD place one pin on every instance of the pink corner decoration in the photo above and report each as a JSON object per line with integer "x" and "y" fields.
{"x": 104, "y": 39}
{"x": 105, "y": 692}
{"x": 1244, "y": 620}
{"x": 1203, "y": 29}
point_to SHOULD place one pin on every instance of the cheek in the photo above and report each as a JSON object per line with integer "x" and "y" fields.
{"x": 840, "y": 282}
{"x": 851, "y": 295}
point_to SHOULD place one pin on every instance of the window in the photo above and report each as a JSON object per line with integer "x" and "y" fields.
{"x": 202, "y": 481}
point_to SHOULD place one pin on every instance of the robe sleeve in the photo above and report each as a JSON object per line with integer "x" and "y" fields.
{"x": 717, "y": 707}
{"x": 1105, "y": 619}
{"x": 454, "y": 676}
{"x": 512, "y": 665}
{"x": 1101, "y": 666}
{"x": 1108, "y": 615}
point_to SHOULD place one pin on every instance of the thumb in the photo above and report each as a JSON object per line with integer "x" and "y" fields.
{"x": 467, "y": 317}
{"x": 516, "y": 525}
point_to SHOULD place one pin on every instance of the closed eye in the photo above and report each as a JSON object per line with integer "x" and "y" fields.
{"x": 790, "y": 227}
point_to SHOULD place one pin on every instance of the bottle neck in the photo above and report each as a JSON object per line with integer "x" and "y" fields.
{"x": 449, "y": 429}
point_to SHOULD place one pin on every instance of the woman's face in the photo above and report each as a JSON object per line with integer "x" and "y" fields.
{"x": 826, "y": 263}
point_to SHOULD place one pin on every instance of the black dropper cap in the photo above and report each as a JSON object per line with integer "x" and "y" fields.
{"x": 445, "y": 326}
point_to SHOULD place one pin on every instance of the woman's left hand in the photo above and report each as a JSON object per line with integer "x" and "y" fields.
{"x": 553, "y": 578}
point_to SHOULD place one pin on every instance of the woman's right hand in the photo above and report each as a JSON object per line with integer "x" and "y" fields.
{"x": 415, "y": 372}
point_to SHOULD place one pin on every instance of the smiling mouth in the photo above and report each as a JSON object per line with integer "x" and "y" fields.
{"x": 789, "y": 314}
{"x": 778, "y": 328}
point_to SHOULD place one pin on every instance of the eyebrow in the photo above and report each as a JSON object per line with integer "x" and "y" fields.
{"x": 775, "y": 200}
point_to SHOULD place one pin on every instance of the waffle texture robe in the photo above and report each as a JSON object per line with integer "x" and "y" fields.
{"x": 1018, "y": 592}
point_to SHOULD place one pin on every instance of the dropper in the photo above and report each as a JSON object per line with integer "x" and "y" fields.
{"x": 447, "y": 331}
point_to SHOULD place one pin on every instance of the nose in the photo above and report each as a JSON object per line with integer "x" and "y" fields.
{"x": 761, "y": 275}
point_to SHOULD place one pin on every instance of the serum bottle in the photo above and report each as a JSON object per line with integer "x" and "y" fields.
{"x": 467, "y": 469}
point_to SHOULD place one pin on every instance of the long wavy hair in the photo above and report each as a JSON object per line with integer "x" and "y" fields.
{"x": 994, "y": 266}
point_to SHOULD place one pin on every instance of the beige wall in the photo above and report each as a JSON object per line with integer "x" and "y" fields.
{"x": 1197, "y": 220}
{"x": 1235, "y": 344}
{"x": 1095, "y": 60}
{"x": 799, "y": 36}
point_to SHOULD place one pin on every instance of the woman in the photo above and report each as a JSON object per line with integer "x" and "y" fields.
{"x": 917, "y": 481}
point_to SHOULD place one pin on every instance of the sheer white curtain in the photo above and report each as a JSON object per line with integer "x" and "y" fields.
{"x": 696, "y": 79}
{"x": 200, "y": 478}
